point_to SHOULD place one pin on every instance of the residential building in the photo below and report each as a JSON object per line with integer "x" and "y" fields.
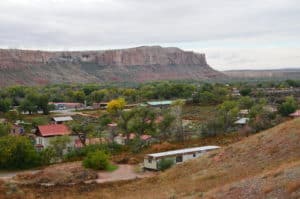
{"x": 151, "y": 161}
{"x": 45, "y": 133}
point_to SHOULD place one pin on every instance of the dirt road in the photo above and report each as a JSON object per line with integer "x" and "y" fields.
{"x": 124, "y": 172}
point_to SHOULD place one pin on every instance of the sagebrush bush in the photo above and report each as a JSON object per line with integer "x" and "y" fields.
{"x": 98, "y": 160}
{"x": 165, "y": 164}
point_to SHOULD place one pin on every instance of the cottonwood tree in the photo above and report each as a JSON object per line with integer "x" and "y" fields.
{"x": 5, "y": 105}
{"x": 125, "y": 124}
{"x": 177, "y": 111}
{"x": 59, "y": 145}
{"x": 164, "y": 126}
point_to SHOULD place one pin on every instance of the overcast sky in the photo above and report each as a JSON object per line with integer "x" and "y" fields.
{"x": 234, "y": 34}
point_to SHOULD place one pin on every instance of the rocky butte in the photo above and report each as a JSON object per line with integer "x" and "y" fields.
{"x": 146, "y": 63}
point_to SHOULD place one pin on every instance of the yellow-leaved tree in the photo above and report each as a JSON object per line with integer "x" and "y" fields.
{"x": 116, "y": 105}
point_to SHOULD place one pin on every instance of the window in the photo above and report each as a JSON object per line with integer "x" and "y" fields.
{"x": 179, "y": 158}
{"x": 194, "y": 154}
{"x": 40, "y": 141}
{"x": 150, "y": 160}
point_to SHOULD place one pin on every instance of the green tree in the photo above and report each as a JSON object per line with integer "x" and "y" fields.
{"x": 125, "y": 124}
{"x": 5, "y": 105}
{"x": 288, "y": 106}
{"x": 82, "y": 129}
{"x": 164, "y": 126}
{"x": 177, "y": 111}
{"x": 227, "y": 113}
{"x": 246, "y": 102}
{"x": 79, "y": 96}
{"x": 245, "y": 91}
{"x": 143, "y": 120}
{"x": 43, "y": 103}
{"x": 28, "y": 106}
{"x": 4, "y": 129}
{"x": 17, "y": 152}
{"x": 98, "y": 96}
{"x": 59, "y": 145}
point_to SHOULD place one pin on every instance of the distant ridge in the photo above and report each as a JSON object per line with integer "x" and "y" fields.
{"x": 145, "y": 63}
{"x": 284, "y": 73}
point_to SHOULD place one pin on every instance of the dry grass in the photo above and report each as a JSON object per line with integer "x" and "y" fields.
{"x": 242, "y": 169}
{"x": 293, "y": 186}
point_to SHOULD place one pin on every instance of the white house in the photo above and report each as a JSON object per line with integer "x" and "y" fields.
{"x": 46, "y": 132}
{"x": 151, "y": 160}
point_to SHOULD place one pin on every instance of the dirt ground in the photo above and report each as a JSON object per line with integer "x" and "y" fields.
{"x": 61, "y": 171}
{"x": 124, "y": 172}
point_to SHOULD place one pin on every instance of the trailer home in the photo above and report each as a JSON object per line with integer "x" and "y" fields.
{"x": 151, "y": 161}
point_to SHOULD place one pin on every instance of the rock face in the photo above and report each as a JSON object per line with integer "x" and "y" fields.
{"x": 133, "y": 65}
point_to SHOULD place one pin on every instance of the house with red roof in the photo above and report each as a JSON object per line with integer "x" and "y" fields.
{"x": 45, "y": 133}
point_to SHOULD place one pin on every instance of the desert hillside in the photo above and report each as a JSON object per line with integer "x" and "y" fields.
{"x": 133, "y": 65}
{"x": 264, "y": 165}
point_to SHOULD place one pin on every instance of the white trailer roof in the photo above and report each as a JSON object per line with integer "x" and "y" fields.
{"x": 160, "y": 103}
{"x": 62, "y": 119}
{"x": 182, "y": 151}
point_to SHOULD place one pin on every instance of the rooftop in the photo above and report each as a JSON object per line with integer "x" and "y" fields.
{"x": 242, "y": 120}
{"x": 53, "y": 130}
{"x": 158, "y": 103}
{"x": 182, "y": 151}
{"x": 62, "y": 119}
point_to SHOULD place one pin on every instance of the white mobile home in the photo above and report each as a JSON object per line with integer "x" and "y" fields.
{"x": 151, "y": 160}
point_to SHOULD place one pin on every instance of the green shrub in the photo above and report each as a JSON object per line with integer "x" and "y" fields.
{"x": 98, "y": 160}
{"x": 288, "y": 106}
{"x": 17, "y": 152}
{"x": 77, "y": 154}
{"x": 165, "y": 164}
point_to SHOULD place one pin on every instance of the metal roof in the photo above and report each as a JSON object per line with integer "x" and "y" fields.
{"x": 242, "y": 120}
{"x": 159, "y": 103}
{"x": 62, "y": 119}
{"x": 182, "y": 151}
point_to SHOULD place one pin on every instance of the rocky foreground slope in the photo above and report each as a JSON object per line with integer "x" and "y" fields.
{"x": 134, "y": 64}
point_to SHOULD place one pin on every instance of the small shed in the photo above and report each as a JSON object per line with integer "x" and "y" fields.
{"x": 60, "y": 120}
{"x": 151, "y": 161}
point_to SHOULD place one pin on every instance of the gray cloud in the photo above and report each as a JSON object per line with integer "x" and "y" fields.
{"x": 99, "y": 24}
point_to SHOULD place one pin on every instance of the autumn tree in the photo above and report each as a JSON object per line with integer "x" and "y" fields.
{"x": 116, "y": 105}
